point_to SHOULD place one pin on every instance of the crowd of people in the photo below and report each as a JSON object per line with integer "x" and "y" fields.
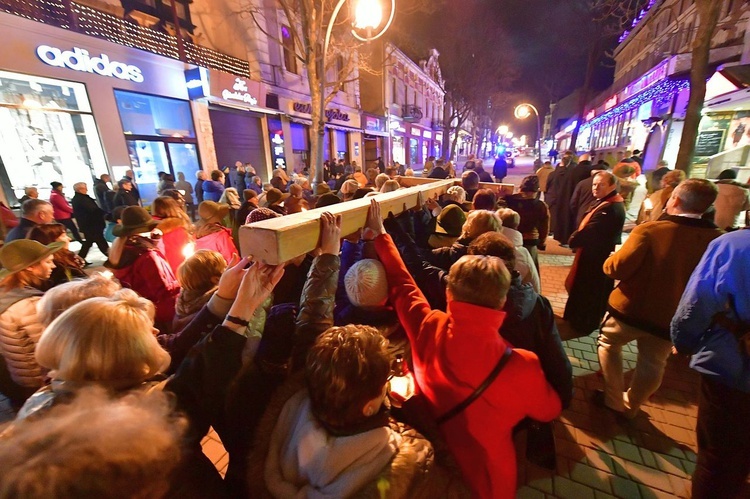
{"x": 396, "y": 361}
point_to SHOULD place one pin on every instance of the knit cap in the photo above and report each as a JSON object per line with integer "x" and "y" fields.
{"x": 260, "y": 214}
{"x": 366, "y": 284}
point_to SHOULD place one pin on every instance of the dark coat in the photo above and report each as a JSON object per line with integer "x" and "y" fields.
{"x": 215, "y": 389}
{"x": 534, "y": 225}
{"x": 582, "y": 200}
{"x": 88, "y": 214}
{"x": 198, "y": 189}
{"x": 21, "y": 230}
{"x": 500, "y": 168}
{"x": 125, "y": 198}
{"x": 530, "y": 324}
{"x": 483, "y": 175}
{"x": 560, "y": 186}
{"x": 438, "y": 172}
{"x": 100, "y": 190}
{"x": 587, "y": 299}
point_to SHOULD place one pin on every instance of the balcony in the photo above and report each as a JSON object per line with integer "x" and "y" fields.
{"x": 93, "y": 22}
{"x": 411, "y": 112}
{"x": 437, "y": 124}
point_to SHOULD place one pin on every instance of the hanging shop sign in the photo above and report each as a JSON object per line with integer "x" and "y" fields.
{"x": 239, "y": 91}
{"x": 646, "y": 81}
{"x": 375, "y": 124}
{"x": 610, "y": 103}
{"x": 79, "y": 59}
{"x": 331, "y": 114}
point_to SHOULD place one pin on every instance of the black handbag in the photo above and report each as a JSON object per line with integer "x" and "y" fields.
{"x": 458, "y": 409}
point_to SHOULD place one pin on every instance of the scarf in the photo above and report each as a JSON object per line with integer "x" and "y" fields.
{"x": 190, "y": 301}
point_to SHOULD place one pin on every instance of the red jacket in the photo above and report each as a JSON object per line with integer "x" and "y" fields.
{"x": 220, "y": 241}
{"x": 145, "y": 270}
{"x": 175, "y": 238}
{"x": 60, "y": 206}
{"x": 452, "y": 354}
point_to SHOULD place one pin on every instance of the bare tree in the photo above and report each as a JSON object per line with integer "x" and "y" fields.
{"x": 708, "y": 17}
{"x": 308, "y": 21}
{"x": 606, "y": 19}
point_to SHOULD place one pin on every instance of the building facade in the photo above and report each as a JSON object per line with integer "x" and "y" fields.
{"x": 644, "y": 108}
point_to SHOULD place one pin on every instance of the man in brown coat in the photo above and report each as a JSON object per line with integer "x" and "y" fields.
{"x": 653, "y": 267}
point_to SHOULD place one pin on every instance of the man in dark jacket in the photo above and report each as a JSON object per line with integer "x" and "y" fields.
{"x": 201, "y": 176}
{"x": 100, "y": 190}
{"x": 653, "y": 267}
{"x": 90, "y": 220}
{"x": 500, "y": 168}
{"x": 33, "y": 212}
{"x": 596, "y": 237}
{"x": 560, "y": 186}
{"x": 125, "y": 195}
{"x": 439, "y": 170}
{"x": 582, "y": 198}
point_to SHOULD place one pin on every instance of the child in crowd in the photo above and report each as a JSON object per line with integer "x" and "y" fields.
{"x": 333, "y": 438}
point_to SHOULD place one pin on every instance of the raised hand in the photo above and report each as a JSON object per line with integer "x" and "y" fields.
{"x": 330, "y": 233}
{"x": 374, "y": 224}
{"x": 256, "y": 285}
{"x": 230, "y": 280}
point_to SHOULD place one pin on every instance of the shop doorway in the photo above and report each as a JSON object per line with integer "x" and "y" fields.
{"x": 238, "y": 136}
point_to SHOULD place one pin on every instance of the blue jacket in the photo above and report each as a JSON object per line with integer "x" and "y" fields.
{"x": 212, "y": 190}
{"x": 720, "y": 283}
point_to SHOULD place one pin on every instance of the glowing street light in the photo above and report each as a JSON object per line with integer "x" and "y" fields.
{"x": 368, "y": 16}
{"x": 502, "y": 130}
{"x": 523, "y": 111}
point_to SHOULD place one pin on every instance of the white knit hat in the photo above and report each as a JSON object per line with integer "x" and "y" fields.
{"x": 366, "y": 284}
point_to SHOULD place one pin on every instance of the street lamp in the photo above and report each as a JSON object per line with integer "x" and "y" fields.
{"x": 368, "y": 15}
{"x": 523, "y": 111}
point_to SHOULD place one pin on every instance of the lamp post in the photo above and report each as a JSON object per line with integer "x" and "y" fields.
{"x": 368, "y": 16}
{"x": 523, "y": 111}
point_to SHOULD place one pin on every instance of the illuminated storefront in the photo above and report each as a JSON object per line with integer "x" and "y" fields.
{"x": 73, "y": 107}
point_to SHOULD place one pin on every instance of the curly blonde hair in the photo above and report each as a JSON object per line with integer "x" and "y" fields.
{"x": 480, "y": 221}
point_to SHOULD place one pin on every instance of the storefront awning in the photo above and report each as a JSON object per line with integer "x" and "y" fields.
{"x": 376, "y": 133}
{"x": 739, "y": 100}
{"x": 301, "y": 121}
{"x": 343, "y": 128}
{"x": 220, "y": 102}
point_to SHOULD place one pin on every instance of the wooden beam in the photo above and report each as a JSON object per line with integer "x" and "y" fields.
{"x": 282, "y": 239}
{"x": 502, "y": 190}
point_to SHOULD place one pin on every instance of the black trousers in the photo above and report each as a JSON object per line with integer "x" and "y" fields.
{"x": 93, "y": 236}
{"x": 71, "y": 226}
{"x": 723, "y": 441}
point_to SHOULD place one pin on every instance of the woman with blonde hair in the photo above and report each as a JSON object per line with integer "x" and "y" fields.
{"x": 60, "y": 298}
{"x": 176, "y": 227}
{"x": 199, "y": 278}
{"x": 101, "y": 341}
{"x": 26, "y": 267}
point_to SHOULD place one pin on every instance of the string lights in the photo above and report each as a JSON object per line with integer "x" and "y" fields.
{"x": 661, "y": 94}
{"x": 100, "y": 24}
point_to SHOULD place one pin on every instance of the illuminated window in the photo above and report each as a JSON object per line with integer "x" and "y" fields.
{"x": 290, "y": 55}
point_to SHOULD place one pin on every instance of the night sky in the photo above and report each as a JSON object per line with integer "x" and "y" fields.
{"x": 547, "y": 37}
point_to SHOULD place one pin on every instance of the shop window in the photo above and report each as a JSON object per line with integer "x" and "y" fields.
{"x": 150, "y": 115}
{"x": 299, "y": 137}
{"x": 290, "y": 54}
{"x": 47, "y": 133}
{"x": 414, "y": 152}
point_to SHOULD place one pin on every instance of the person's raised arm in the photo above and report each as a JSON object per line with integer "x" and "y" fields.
{"x": 319, "y": 294}
{"x": 404, "y": 294}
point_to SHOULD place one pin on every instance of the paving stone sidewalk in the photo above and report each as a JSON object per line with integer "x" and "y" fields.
{"x": 599, "y": 456}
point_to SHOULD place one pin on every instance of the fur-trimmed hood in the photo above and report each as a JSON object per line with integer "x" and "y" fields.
{"x": 412, "y": 472}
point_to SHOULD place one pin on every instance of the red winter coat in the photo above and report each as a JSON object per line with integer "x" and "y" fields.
{"x": 175, "y": 238}
{"x": 144, "y": 269}
{"x": 452, "y": 354}
{"x": 60, "y": 206}
{"x": 220, "y": 240}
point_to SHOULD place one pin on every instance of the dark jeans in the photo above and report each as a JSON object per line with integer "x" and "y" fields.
{"x": 71, "y": 226}
{"x": 93, "y": 236}
{"x": 723, "y": 441}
